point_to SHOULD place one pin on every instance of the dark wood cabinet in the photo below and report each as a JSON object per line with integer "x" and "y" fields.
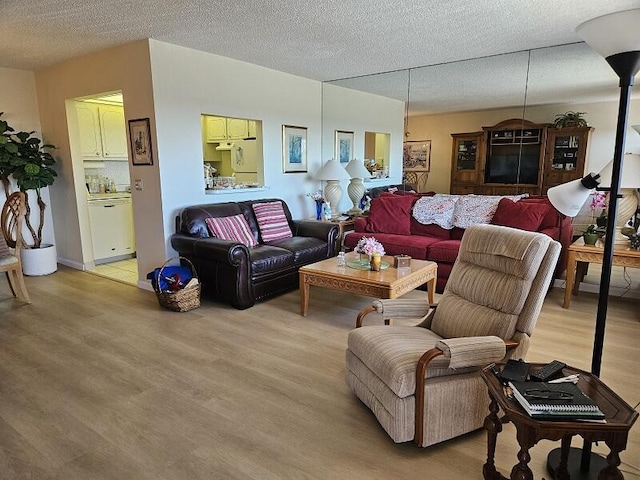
{"x": 517, "y": 156}
{"x": 465, "y": 162}
{"x": 565, "y": 155}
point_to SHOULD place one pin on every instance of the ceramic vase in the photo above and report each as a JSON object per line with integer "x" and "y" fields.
{"x": 376, "y": 261}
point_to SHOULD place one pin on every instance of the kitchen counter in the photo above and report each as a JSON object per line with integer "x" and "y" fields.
{"x": 108, "y": 196}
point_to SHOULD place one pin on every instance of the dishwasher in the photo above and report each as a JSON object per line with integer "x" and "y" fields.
{"x": 111, "y": 221}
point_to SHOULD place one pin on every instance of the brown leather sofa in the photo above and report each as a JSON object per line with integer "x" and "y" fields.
{"x": 230, "y": 271}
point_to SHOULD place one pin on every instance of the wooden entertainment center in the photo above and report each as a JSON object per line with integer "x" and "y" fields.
{"x": 517, "y": 156}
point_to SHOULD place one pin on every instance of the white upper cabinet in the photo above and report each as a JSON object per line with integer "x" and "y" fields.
{"x": 114, "y": 133}
{"x": 89, "y": 123}
{"x": 252, "y": 129}
{"x": 103, "y": 133}
{"x": 215, "y": 129}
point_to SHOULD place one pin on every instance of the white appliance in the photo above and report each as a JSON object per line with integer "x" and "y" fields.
{"x": 244, "y": 161}
{"x": 111, "y": 220}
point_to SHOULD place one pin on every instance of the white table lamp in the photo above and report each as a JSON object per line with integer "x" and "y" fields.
{"x": 629, "y": 182}
{"x": 358, "y": 172}
{"x": 332, "y": 172}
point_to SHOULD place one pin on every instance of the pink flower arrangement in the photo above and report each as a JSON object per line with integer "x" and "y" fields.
{"x": 316, "y": 196}
{"x": 369, "y": 246}
{"x": 599, "y": 201}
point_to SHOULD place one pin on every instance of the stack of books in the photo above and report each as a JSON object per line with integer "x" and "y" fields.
{"x": 555, "y": 401}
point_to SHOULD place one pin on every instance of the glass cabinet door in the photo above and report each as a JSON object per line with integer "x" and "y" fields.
{"x": 467, "y": 150}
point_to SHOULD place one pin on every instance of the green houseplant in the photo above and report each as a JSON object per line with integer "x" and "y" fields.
{"x": 570, "y": 119}
{"x": 24, "y": 157}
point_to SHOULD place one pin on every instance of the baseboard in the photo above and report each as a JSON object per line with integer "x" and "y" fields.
{"x": 593, "y": 288}
{"x": 72, "y": 264}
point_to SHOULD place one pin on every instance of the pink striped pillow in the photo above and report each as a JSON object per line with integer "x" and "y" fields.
{"x": 231, "y": 228}
{"x": 272, "y": 221}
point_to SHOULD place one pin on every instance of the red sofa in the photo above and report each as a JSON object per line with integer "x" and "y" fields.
{"x": 391, "y": 222}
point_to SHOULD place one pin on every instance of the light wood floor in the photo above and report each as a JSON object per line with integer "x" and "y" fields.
{"x": 97, "y": 382}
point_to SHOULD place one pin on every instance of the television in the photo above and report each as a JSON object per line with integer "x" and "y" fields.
{"x": 512, "y": 164}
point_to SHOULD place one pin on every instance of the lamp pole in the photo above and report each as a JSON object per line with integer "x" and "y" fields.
{"x": 615, "y": 37}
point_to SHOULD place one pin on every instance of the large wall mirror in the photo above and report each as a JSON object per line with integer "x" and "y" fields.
{"x": 489, "y": 122}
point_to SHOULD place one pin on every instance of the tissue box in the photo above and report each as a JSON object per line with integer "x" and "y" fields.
{"x": 400, "y": 261}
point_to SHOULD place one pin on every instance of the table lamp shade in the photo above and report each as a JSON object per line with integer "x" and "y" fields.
{"x": 630, "y": 172}
{"x": 356, "y": 169}
{"x": 332, "y": 170}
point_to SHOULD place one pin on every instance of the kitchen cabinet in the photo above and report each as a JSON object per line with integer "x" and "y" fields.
{"x": 103, "y": 133}
{"x": 111, "y": 222}
{"x": 221, "y": 129}
{"x": 215, "y": 129}
{"x": 237, "y": 128}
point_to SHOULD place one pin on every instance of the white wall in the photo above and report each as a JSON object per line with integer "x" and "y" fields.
{"x": 438, "y": 128}
{"x": 125, "y": 68}
{"x": 19, "y": 102}
{"x": 353, "y": 111}
{"x": 173, "y": 86}
{"x": 188, "y": 83}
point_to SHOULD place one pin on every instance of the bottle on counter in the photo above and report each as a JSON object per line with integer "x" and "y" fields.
{"x": 112, "y": 187}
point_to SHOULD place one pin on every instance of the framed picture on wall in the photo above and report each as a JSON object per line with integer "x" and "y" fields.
{"x": 343, "y": 146}
{"x": 416, "y": 155}
{"x": 140, "y": 138}
{"x": 294, "y": 149}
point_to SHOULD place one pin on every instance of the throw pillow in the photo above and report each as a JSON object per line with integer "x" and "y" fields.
{"x": 231, "y": 228}
{"x": 474, "y": 209}
{"x": 437, "y": 209}
{"x": 522, "y": 215}
{"x": 390, "y": 214}
{"x": 272, "y": 221}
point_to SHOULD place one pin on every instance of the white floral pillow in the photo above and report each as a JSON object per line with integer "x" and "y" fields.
{"x": 474, "y": 209}
{"x": 437, "y": 209}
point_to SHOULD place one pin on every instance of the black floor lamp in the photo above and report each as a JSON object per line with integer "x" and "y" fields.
{"x": 617, "y": 38}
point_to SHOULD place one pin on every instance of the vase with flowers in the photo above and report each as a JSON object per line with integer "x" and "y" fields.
{"x": 319, "y": 200}
{"x": 374, "y": 251}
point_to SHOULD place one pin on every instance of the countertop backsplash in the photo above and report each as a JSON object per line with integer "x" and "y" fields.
{"x": 117, "y": 171}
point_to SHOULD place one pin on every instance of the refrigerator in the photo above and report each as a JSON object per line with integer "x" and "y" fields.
{"x": 244, "y": 161}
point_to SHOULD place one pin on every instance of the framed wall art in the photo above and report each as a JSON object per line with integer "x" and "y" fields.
{"x": 343, "y": 146}
{"x": 294, "y": 149}
{"x": 140, "y": 138}
{"x": 417, "y": 155}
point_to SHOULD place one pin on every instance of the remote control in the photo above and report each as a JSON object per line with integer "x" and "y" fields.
{"x": 548, "y": 371}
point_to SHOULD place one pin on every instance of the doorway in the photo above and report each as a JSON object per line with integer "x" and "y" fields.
{"x": 102, "y": 151}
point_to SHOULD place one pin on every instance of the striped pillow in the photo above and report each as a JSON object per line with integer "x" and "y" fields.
{"x": 272, "y": 221}
{"x": 231, "y": 228}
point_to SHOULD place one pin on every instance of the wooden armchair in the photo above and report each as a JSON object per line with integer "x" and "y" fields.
{"x": 11, "y": 225}
{"x": 423, "y": 382}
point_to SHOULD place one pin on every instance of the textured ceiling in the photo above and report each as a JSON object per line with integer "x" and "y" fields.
{"x": 322, "y": 40}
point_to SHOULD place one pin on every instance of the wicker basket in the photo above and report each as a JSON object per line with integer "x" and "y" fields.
{"x": 180, "y": 300}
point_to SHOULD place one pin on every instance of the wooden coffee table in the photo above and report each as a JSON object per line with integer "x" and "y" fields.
{"x": 387, "y": 283}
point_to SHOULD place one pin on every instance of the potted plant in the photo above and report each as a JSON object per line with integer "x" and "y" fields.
{"x": 27, "y": 159}
{"x": 590, "y": 235}
{"x": 570, "y": 119}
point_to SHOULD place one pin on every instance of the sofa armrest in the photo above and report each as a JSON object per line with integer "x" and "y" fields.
{"x": 327, "y": 232}
{"x": 212, "y": 249}
{"x": 472, "y": 351}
